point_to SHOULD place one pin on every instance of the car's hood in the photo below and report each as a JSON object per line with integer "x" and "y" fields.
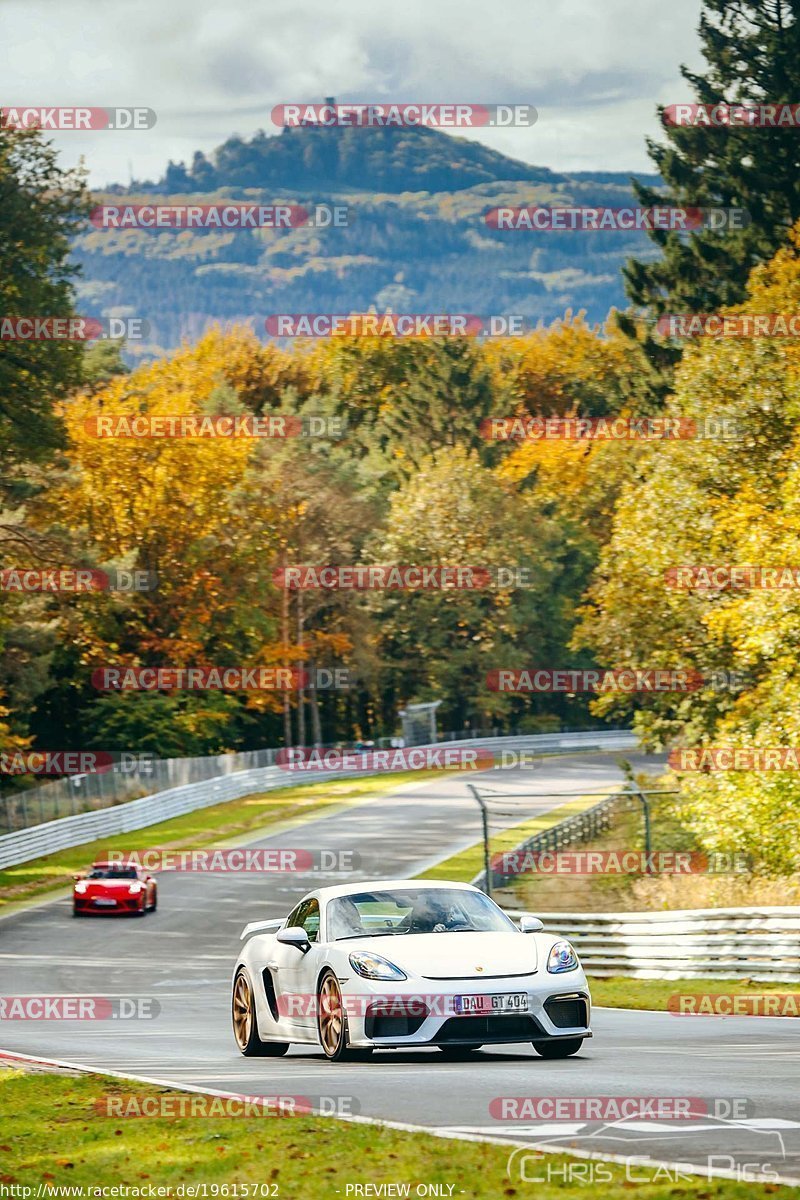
{"x": 455, "y": 955}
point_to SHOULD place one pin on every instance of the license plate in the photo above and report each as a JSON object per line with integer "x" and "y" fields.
{"x": 508, "y": 1002}
{"x": 103, "y": 903}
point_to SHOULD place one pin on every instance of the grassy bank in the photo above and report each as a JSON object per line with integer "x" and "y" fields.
{"x": 56, "y": 1133}
{"x": 655, "y": 994}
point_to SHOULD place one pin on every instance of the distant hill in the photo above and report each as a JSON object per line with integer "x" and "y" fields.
{"x": 417, "y": 243}
{"x": 381, "y": 160}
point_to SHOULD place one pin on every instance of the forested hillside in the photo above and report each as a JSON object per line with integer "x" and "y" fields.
{"x": 417, "y": 241}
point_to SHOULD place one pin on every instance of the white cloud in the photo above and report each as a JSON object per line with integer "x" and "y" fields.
{"x": 594, "y": 70}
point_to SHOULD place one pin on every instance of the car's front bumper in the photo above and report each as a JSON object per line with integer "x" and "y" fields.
{"x": 422, "y": 1012}
{"x": 124, "y": 904}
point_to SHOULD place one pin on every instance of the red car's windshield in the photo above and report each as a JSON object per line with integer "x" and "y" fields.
{"x": 113, "y": 873}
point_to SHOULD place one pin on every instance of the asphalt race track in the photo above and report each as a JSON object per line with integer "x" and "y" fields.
{"x": 183, "y": 954}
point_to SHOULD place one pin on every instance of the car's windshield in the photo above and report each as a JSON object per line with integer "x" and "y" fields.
{"x": 113, "y": 873}
{"x": 408, "y": 911}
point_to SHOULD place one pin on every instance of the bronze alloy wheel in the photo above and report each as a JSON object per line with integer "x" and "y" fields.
{"x": 331, "y": 1016}
{"x": 332, "y": 1023}
{"x": 245, "y": 1028}
{"x": 242, "y": 1012}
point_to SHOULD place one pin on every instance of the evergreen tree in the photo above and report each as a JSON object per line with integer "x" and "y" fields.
{"x": 752, "y": 48}
{"x": 41, "y": 206}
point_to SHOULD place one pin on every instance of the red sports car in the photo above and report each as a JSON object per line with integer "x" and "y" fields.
{"x": 114, "y": 888}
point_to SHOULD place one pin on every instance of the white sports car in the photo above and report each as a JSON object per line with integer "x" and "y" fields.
{"x": 404, "y": 963}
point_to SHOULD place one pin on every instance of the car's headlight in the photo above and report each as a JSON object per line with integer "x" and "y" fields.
{"x": 372, "y": 966}
{"x": 80, "y": 887}
{"x": 135, "y": 888}
{"x": 562, "y": 958}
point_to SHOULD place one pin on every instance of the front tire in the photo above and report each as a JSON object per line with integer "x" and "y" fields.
{"x": 332, "y": 1023}
{"x": 245, "y": 1027}
{"x": 558, "y": 1049}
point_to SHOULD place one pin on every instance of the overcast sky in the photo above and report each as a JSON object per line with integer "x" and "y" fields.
{"x": 595, "y": 69}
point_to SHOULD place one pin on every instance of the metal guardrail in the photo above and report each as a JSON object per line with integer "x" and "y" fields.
{"x": 713, "y": 943}
{"x": 121, "y": 783}
{"x": 39, "y": 840}
{"x": 140, "y": 775}
{"x": 574, "y": 830}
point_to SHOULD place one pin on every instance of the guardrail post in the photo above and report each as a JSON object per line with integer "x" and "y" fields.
{"x": 640, "y": 796}
{"x": 485, "y": 822}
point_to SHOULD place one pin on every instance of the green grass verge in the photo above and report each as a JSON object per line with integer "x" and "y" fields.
{"x": 204, "y": 827}
{"x": 464, "y": 866}
{"x": 54, "y": 1136}
{"x": 654, "y": 994}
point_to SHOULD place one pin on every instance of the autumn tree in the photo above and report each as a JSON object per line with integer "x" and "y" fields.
{"x": 725, "y": 499}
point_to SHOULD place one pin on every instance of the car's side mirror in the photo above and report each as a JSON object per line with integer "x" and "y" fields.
{"x": 295, "y": 936}
{"x": 77, "y": 877}
{"x": 530, "y": 924}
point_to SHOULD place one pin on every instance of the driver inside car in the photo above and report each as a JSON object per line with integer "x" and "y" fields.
{"x": 345, "y": 919}
{"x": 430, "y": 918}
{"x": 454, "y": 918}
